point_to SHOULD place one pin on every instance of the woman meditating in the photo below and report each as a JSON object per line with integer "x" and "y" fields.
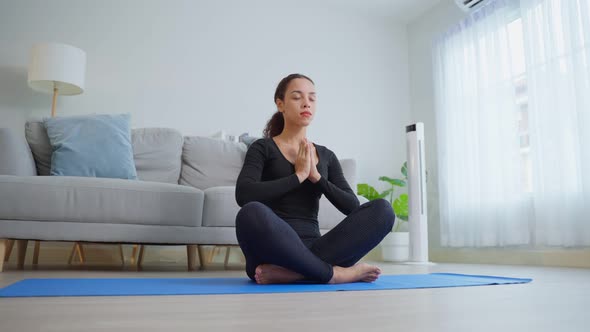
{"x": 279, "y": 188}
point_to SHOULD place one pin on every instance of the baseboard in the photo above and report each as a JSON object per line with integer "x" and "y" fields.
{"x": 57, "y": 253}
{"x": 579, "y": 258}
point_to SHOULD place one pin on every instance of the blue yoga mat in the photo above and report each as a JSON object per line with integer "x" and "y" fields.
{"x": 194, "y": 286}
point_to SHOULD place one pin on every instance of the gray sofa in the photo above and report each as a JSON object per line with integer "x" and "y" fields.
{"x": 184, "y": 195}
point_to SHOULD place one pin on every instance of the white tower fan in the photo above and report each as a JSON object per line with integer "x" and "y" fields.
{"x": 417, "y": 220}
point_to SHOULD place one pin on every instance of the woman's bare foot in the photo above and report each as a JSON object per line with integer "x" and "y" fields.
{"x": 359, "y": 272}
{"x": 274, "y": 274}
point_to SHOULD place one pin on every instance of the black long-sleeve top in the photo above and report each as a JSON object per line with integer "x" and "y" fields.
{"x": 268, "y": 177}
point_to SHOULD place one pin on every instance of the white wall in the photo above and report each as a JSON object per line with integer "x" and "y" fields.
{"x": 203, "y": 66}
{"x": 421, "y": 33}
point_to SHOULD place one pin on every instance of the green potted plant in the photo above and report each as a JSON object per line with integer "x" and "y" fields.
{"x": 395, "y": 246}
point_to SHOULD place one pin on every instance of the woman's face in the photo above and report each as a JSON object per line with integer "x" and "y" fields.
{"x": 298, "y": 108}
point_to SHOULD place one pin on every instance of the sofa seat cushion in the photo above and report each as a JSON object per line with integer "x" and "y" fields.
{"x": 99, "y": 200}
{"x": 220, "y": 207}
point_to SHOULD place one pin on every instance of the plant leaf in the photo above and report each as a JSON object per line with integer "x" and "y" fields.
{"x": 367, "y": 191}
{"x": 393, "y": 182}
{"x": 405, "y": 169}
{"x": 400, "y": 207}
{"x": 386, "y": 193}
{"x": 400, "y": 183}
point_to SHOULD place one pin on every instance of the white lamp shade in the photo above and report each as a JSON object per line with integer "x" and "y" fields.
{"x": 59, "y": 66}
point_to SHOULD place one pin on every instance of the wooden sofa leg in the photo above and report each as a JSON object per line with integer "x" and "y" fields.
{"x": 201, "y": 257}
{"x": 81, "y": 253}
{"x": 72, "y": 253}
{"x": 140, "y": 257}
{"x": 134, "y": 254}
{"x": 21, "y": 249}
{"x": 9, "y": 244}
{"x": 226, "y": 260}
{"x": 77, "y": 249}
{"x": 3, "y": 247}
{"x": 36, "y": 252}
{"x": 191, "y": 254}
{"x": 122, "y": 255}
{"x": 212, "y": 254}
{"x": 242, "y": 257}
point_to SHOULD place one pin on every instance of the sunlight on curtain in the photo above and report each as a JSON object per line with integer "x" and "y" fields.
{"x": 512, "y": 86}
{"x": 557, "y": 41}
{"x": 482, "y": 197}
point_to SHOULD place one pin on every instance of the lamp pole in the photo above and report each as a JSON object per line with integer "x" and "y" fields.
{"x": 55, "y": 91}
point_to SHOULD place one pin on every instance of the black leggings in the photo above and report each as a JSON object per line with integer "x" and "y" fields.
{"x": 265, "y": 238}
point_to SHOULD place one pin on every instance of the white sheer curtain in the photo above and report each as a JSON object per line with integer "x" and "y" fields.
{"x": 513, "y": 120}
{"x": 480, "y": 180}
{"x": 557, "y": 48}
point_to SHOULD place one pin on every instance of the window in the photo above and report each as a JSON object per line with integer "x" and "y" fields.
{"x": 517, "y": 58}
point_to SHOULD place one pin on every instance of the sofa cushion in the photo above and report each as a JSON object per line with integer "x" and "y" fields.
{"x": 97, "y": 145}
{"x": 99, "y": 200}
{"x": 209, "y": 162}
{"x": 248, "y": 140}
{"x": 349, "y": 172}
{"x": 329, "y": 216}
{"x": 15, "y": 155}
{"x": 157, "y": 154}
{"x": 220, "y": 208}
{"x": 36, "y": 136}
{"x": 156, "y": 151}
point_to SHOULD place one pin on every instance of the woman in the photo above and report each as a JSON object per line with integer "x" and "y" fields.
{"x": 282, "y": 179}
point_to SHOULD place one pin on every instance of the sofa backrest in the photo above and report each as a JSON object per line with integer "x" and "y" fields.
{"x": 156, "y": 151}
{"x": 157, "y": 154}
{"x": 349, "y": 171}
{"x": 164, "y": 155}
{"x": 15, "y": 155}
{"x": 210, "y": 162}
{"x": 38, "y": 140}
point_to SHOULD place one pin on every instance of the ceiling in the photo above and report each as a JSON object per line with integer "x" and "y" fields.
{"x": 402, "y": 10}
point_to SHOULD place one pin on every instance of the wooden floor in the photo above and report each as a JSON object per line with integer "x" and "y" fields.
{"x": 557, "y": 300}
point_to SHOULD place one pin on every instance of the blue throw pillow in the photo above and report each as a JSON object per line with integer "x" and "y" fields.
{"x": 91, "y": 145}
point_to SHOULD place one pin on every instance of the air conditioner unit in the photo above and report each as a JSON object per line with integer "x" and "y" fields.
{"x": 469, "y": 5}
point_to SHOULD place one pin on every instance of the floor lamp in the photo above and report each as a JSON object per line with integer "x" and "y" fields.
{"x": 56, "y": 69}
